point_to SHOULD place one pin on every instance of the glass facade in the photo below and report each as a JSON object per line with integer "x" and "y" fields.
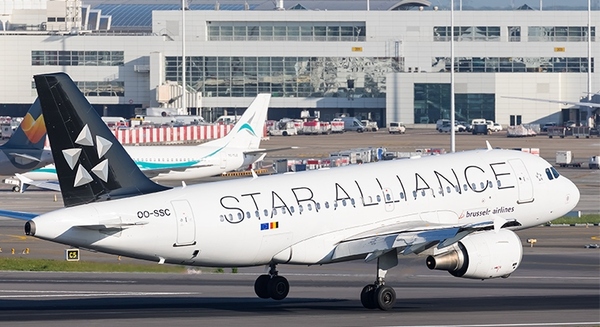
{"x": 287, "y": 31}
{"x": 560, "y": 33}
{"x": 285, "y": 76}
{"x": 512, "y": 64}
{"x": 467, "y": 33}
{"x": 77, "y": 58}
{"x": 102, "y": 89}
{"x": 99, "y": 88}
{"x": 432, "y": 102}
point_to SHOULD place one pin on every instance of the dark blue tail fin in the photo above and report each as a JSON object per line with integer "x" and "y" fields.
{"x": 31, "y": 133}
{"x": 91, "y": 164}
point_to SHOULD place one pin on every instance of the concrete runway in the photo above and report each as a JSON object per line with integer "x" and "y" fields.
{"x": 558, "y": 282}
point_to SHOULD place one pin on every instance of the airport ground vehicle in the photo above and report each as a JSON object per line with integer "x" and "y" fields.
{"x": 566, "y": 159}
{"x": 457, "y": 127}
{"x": 396, "y": 128}
{"x": 351, "y": 124}
{"x": 284, "y": 127}
{"x": 370, "y": 126}
{"x": 479, "y": 126}
{"x": 548, "y": 125}
{"x": 440, "y": 123}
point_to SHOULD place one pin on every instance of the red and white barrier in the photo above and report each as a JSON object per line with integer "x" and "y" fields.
{"x": 171, "y": 134}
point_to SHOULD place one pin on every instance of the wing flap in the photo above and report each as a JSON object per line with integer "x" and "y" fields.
{"x": 259, "y": 151}
{"x": 402, "y": 240}
{"x": 410, "y": 237}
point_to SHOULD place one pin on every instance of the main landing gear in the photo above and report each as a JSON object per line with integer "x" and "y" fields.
{"x": 272, "y": 285}
{"x": 372, "y": 296}
{"x": 379, "y": 295}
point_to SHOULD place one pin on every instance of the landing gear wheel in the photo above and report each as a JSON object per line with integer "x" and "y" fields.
{"x": 278, "y": 288}
{"x": 261, "y": 286}
{"x": 367, "y": 297}
{"x": 16, "y": 189}
{"x": 385, "y": 297}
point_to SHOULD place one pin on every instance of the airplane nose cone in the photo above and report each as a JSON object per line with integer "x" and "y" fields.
{"x": 573, "y": 195}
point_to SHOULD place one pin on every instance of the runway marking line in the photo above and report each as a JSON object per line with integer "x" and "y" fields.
{"x": 49, "y": 294}
{"x": 586, "y": 323}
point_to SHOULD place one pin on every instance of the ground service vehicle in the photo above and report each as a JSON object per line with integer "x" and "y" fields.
{"x": 396, "y": 128}
{"x": 351, "y": 124}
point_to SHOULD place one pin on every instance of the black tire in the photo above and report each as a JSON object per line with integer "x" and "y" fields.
{"x": 16, "y": 189}
{"x": 367, "y": 297}
{"x": 385, "y": 297}
{"x": 278, "y": 288}
{"x": 261, "y": 286}
{"x": 284, "y": 133}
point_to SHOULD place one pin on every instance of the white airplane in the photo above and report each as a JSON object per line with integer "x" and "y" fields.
{"x": 25, "y": 151}
{"x": 239, "y": 148}
{"x": 460, "y": 209}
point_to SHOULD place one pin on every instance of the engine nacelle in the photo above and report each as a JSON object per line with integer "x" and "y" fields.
{"x": 481, "y": 255}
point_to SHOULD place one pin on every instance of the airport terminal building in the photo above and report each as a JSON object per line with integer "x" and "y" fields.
{"x": 388, "y": 62}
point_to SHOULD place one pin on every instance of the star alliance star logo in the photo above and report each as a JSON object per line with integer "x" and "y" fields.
{"x": 71, "y": 156}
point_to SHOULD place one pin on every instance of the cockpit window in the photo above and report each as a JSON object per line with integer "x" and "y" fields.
{"x": 549, "y": 174}
{"x": 552, "y": 173}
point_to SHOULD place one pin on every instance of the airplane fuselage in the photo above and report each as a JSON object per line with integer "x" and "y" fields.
{"x": 188, "y": 162}
{"x": 300, "y": 218}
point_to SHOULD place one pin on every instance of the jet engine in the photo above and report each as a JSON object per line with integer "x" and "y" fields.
{"x": 481, "y": 255}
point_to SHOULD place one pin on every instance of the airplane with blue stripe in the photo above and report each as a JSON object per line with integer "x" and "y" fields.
{"x": 238, "y": 149}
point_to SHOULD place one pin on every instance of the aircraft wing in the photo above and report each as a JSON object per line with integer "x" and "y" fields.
{"x": 18, "y": 214}
{"x": 259, "y": 151}
{"x": 43, "y": 184}
{"x": 583, "y": 104}
{"x": 155, "y": 172}
{"x": 411, "y": 237}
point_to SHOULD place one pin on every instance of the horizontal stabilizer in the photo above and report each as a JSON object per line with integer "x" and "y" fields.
{"x": 18, "y": 214}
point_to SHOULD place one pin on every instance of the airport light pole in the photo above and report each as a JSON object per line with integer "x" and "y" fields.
{"x": 183, "y": 68}
{"x": 452, "y": 109}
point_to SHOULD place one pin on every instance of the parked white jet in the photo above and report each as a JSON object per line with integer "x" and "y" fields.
{"x": 239, "y": 148}
{"x": 460, "y": 209}
{"x": 25, "y": 151}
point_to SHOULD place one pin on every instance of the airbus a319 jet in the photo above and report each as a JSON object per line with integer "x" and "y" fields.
{"x": 459, "y": 211}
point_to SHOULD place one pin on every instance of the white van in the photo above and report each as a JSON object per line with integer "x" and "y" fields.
{"x": 396, "y": 128}
{"x": 479, "y": 121}
{"x": 227, "y": 120}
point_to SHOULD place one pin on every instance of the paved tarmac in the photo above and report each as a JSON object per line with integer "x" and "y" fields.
{"x": 558, "y": 282}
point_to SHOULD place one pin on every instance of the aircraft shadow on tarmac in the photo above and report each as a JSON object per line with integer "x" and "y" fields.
{"x": 166, "y": 307}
